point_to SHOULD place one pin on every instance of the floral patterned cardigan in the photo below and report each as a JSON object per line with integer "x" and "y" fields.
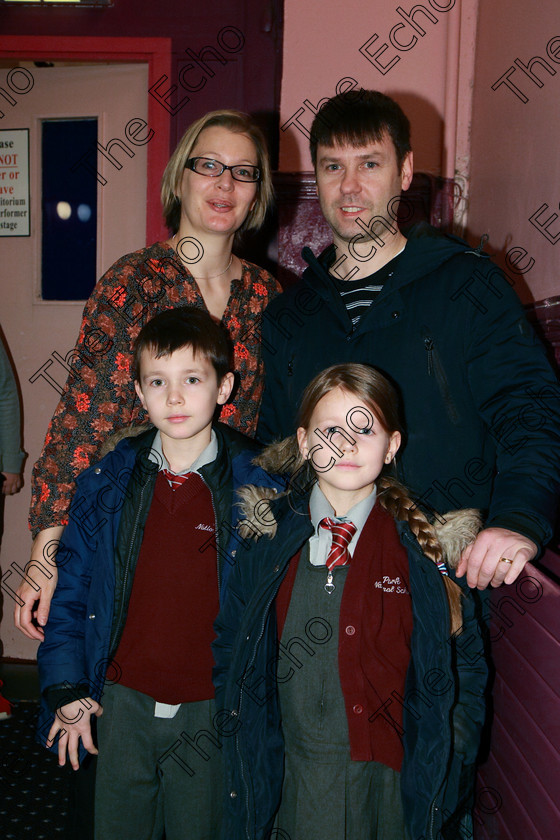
{"x": 99, "y": 396}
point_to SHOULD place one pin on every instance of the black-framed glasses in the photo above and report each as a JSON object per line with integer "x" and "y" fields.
{"x": 213, "y": 168}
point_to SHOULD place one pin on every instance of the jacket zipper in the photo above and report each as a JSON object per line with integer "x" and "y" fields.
{"x": 249, "y": 664}
{"x": 291, "y": 365}
{"x": 435, "y": 367}
{"x": 429, "y": 345}
{"x": 217, "y": 535}
{"x": 127, "y": 569}
{"x": 432, "y": 817}
{"x": 433, "y": 806}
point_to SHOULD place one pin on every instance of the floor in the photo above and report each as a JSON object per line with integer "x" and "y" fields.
{"x": 33, "y": 789}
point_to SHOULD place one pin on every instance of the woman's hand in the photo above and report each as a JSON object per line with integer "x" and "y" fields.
{"x": 39, "y": 584}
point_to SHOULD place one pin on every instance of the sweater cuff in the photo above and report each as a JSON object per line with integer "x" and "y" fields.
{"x": 58, "y": 696}
{"x": 12, "y": 462}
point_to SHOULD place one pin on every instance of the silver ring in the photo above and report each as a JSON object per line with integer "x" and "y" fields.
{"x": 505, "y": 560}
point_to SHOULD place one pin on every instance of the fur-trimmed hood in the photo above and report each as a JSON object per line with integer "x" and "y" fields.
{"x": 128, "y": 431}
{"x": 454, "y": 530}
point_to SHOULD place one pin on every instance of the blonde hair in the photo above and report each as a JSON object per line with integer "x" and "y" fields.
{"x": 239, "y": 123}
{"x": 380, "y": 396}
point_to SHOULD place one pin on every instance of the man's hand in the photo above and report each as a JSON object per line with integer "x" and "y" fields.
{"x": 12, "y": 483}
{"x": 482, "y": 559}
{"x": 43, "y": 572}
{"x": 73, "y": 723}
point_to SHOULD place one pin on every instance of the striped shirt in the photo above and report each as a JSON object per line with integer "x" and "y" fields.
{"x": 358, "y": 295}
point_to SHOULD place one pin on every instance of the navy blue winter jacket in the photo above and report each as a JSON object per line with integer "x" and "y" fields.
{"x": 443, "y": 708}
{"x": 97, "y": 558}
{"x": 481, "y": 401}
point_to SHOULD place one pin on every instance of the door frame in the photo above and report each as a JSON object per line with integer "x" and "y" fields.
{"x": 155, "y": 52}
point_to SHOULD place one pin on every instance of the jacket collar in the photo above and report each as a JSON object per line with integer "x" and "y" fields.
{"x": 264, "y": 511}
{"x": 426, "y": 250}
{"x": 215, "y": 473}
{"x": 218, "y": 471}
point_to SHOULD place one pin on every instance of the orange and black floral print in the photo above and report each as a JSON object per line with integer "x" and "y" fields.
{"x": 99, "y": 396}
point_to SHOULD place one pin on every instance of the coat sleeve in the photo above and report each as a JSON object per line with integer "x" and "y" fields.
{"x": 61, "y": 656}
{"x": 518, "y": 396}
{"x": 11, "y": 454}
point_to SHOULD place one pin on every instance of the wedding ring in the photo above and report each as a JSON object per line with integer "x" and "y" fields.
{"x": 505, "y": 560}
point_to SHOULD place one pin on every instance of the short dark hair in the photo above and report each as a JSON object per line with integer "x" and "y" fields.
{"x": 185, "y": 326}
{"x": 357, "y": 117}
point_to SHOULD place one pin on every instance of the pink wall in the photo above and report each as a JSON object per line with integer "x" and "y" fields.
{"x": 515, "y": 159}
{"x": 247, "y": 81}
{"x": 40, "y": 333}
{"x": 504, "y": 154}
{"x": 322, "y": 40}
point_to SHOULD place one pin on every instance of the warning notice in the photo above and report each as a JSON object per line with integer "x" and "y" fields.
{"x": 14, "y": 182}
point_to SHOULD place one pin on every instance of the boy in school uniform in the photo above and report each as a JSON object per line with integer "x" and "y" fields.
{"x": 140, "y": 568}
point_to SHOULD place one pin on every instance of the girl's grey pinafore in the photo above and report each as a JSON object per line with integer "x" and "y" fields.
{"x": 326, "y": 795}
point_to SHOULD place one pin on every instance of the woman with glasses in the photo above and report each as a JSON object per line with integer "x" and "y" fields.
{"x": 216, "y": 185}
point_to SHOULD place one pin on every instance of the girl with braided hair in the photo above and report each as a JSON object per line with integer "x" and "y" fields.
{"x": 350, "y": 663}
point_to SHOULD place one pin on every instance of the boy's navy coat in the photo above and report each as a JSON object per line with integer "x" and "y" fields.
{"x": 97, "y": 558}
{"x": 443, "y": 707}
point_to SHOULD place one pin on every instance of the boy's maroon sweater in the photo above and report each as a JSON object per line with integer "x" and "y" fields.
{"x": 165, "y": 647}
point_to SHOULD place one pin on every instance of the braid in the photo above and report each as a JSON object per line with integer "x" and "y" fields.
{"x": 394, "y": 498}
{"x": 396, "y": 501}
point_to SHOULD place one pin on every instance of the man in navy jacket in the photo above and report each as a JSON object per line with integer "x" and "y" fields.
{"x": 481, "y": 401}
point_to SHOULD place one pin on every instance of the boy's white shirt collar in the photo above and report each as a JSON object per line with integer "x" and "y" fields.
{"x": 208, "y": 454}
{"x": 319, "y": 507}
